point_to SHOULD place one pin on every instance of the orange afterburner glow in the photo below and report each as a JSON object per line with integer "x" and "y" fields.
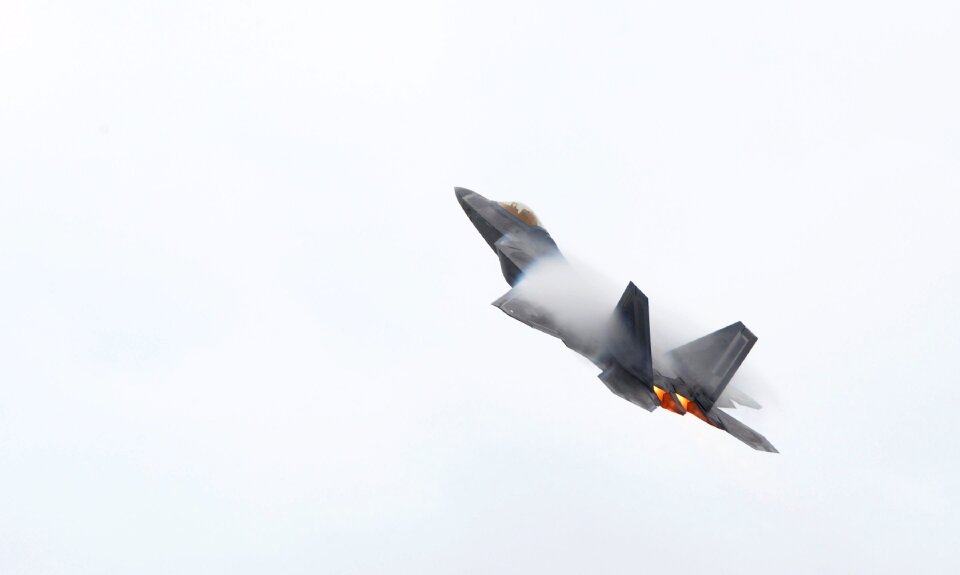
{"x": 695, "y": 410}
{"x": 686, "y": 405}
{"x": 666, "y": 400}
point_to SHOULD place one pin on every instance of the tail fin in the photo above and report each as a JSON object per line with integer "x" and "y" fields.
{"x": 630, "y": 345}
{"x": 629, "y": 371}
{"x": 707, "y": 364}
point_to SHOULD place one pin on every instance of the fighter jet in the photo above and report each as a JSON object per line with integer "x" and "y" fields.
{"x": 689, "y": 379}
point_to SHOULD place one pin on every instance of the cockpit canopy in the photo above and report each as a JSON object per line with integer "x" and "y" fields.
{"x": 524, "y": 213}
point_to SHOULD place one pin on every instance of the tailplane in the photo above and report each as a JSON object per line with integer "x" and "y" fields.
{"x": 737, "y": 429}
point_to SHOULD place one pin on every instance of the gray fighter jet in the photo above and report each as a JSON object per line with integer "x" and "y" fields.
{"x": 689, "y": 379}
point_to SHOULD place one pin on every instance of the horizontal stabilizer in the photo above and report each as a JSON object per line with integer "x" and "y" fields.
{"x": 741, "y": 431}
{"x": 620, "y": 382}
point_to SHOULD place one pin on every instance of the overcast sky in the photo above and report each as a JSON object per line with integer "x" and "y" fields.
{"x": 245, "y": 325}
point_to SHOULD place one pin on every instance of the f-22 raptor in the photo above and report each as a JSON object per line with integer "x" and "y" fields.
{"x": 689, "y": 379}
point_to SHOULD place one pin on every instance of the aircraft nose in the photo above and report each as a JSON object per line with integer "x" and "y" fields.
{"x": 467, "y": 199}
{"x": 470, "y": 198}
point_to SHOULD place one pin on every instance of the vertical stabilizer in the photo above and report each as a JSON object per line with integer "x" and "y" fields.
{"x": 707, "y": 364}
{"x": 630, "y": 344}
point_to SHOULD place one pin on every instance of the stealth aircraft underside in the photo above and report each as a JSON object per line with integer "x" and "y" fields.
{"x": 688, "y": 379}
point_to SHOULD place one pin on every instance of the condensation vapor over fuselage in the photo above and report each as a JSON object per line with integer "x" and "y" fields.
{"x": 694, "y": 375}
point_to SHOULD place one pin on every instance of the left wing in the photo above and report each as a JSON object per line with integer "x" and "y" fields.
{"x": 520, "y": 309}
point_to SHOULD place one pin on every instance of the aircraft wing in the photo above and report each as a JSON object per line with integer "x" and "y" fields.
{"x": 516, "y": 306}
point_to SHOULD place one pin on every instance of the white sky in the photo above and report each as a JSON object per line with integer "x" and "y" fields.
{"x": 245, "y": 326}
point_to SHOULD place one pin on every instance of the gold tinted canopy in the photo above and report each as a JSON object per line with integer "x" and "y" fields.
{"x": 525, "y": 214}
